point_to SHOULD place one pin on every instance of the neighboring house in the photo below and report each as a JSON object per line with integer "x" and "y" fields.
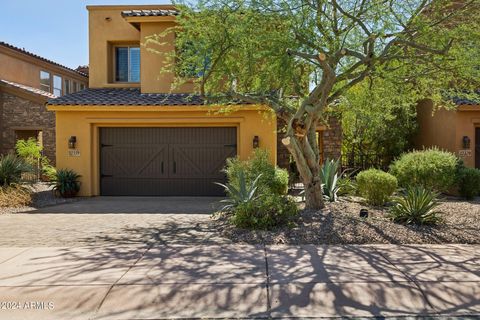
{"x": 457, "y": 131}
{"x": 128, "y": 134}
{"x": 27, "y": 81}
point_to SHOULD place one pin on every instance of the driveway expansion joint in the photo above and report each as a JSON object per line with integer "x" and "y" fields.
{"x": 267, "y": 281}
{"x": 410, "y": 279}
{"x": 16, "y": 255}
{"x": 95, "y": 313}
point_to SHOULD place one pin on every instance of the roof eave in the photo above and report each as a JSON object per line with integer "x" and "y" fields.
{"x": 138, "y": 20}
{"x": 155, "y": 108}
{"x": 23, "y": 93}
{"x": 468, "y": 107}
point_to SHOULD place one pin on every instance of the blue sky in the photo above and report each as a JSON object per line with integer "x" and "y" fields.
{"x": 54, "y": 29}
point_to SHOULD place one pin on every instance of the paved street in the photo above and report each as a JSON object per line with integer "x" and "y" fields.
{"x": 113, "y": 263}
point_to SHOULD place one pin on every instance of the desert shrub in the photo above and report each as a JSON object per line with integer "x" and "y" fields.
{"x": 432, "y": 169}
{"x": 416, "y": 206}
{"x": 329, "y": 178}
{"x": 66, "y": 183}
{"x": 29, "y": 150}
{"x": 244, "y": 193}
{"x": 49, "y": 172}
{"x": 347, "y": 186}
{"x": 468, "y": 180}
{"x": 280, "y": 181}
{"x": 256, "y": 192}
{"x": 376, "y": 186}
{"x": 15, "y": 195}
{"x": 272, "y": 180}
{"x": 11, "y": 169}
{"x": 269, "y": 211}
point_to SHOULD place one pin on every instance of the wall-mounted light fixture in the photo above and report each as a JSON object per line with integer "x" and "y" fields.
{"x": 466, "y": 142}
{"x": 72, "y": 141}
{"x": 256, "y": 142}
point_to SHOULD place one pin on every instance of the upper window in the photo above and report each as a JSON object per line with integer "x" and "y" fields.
{"x": 82, "y": 86}
{"x": 127, "y": 64}
{"x": 57, "y": 85}
{"x": 68, "y": 86}
{"x": 45, "y": 81}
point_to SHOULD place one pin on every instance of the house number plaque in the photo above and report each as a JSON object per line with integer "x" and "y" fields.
{"x": 74, "y": 153}
{"x": 464, "y": 153}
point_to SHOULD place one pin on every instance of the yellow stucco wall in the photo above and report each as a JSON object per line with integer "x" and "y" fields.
{"x": 108, "y": 28}
{"x": 446, "y": 129}
{"x": 468, "y": 118}
{"x": 151, "y": 77}
{"x": 435, "y": 128}
{"x": 25, "y": 69}
{"x": 84, "y": 123}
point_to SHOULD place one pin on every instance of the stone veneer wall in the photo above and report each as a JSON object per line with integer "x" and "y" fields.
{"x": 17, "y": 113}
{"x": 332, "y": 142}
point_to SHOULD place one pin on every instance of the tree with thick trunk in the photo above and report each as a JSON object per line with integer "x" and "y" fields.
{"x": 299, "y": 57}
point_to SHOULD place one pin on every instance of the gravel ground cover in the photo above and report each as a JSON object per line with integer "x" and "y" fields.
{"x": 340, "y": 223}
{"x": 42, "y": 196}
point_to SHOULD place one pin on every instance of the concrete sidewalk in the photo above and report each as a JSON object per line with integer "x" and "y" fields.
{"x": 235, "y": 281}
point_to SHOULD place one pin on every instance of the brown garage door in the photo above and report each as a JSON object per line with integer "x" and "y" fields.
{"x": 164, "y": 161}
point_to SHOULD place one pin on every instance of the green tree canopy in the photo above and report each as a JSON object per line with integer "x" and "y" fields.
{"x": 301, "y": 56}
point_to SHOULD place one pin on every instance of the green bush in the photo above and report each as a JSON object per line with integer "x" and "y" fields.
{"x": 432, "y": 169}
{"x": 256, "y": 192}
{"x": 66, "y": 183}
{"x": 11, "y": 169}
{"x": 468, "y": 180}
{"x": 49, "y": 172}
{"x": 269, "y": 211}
{"x": 29, "y": 150}
{"x": 417, "y": 206}
{"x": 272, "y": 180}
{"x": 280, "y": 181}
{"x": 376, "y": 186}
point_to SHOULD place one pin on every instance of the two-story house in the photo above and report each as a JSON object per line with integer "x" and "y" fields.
{"x": 27, "y": 81}
{"x": 128, "y": 134}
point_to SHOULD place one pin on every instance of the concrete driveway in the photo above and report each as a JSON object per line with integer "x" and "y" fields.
{"x": 235, "y": 281}
{"x": 114, "y": 221}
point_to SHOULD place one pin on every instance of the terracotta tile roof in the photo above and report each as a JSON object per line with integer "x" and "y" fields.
{"x": 149, "y": 13}
{"x": 125, "y": 97}
{"x": 28, "y": 89}
{"x": 468, "y": 101}
{"x": 7, "y": 45}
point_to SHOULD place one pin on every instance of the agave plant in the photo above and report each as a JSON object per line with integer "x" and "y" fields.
{"x": 243, "y": 193}
{"x": 417, "y": 206}
{"x": 11, "y": 169}
{"x": 66, "y": 183}
{"x": 329, "y": 176}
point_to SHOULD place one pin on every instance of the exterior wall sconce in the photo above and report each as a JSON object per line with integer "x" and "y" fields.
{"x": 256, "y": 142}
{"x": 72, "y": 142}
{"x": 466, "y": 142}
